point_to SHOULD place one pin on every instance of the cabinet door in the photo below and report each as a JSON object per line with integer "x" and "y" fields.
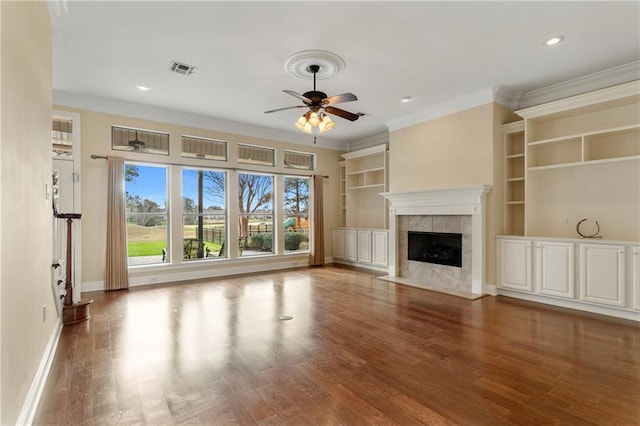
{"x": 364, "y": 246}
{"x": 602, "y": 278}
{"x": 338, "y": 243}
{"x": 554, "y": 263}
{"x": 380, "y": 248}
{"x": 515, "y": 265}
{"x": 351, "y": 245}
{"x": 635, "y": 276}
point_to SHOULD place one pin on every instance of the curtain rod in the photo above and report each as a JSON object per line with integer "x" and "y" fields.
{"x": 102, "y": 157}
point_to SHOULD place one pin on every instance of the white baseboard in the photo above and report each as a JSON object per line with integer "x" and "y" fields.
{"x": 168, "y": 274}
{"x": 30, "y": 406}
{"x": 586, "y": 307}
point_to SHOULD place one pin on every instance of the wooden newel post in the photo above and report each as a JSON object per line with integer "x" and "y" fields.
{"x": 72, "y": 312}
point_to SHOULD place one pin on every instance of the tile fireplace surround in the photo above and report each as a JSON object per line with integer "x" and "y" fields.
{"x": 459, "y": 210}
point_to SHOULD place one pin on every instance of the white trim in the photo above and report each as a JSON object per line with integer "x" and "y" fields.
{"x": 572, "y": 304}
{"x": 369, "y": 141}
{"x": 470, "y": 100}
{"x": 588, "y": 83}
{"x": 608, "y": 94}
{"x": 30, "y": 406}
{"x": 172, "y": 273}
{"x": 147, "y": 112}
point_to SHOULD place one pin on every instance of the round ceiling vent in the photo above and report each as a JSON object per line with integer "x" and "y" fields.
{"x": 298, "y": 64}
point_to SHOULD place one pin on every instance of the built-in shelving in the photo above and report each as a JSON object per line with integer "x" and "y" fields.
{"x": 514, "y": 182}
{"x": 365, "y": 178}
{"x": 574, "y": 158}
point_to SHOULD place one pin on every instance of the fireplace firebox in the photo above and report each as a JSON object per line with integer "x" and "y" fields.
{"x": 435, "y": 247}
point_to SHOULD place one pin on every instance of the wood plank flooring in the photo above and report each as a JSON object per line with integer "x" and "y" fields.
{"x": 357, "y": 351}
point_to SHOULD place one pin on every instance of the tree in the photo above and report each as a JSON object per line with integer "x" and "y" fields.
{"x": 296, "y": 195}
{"x": 189, "y": 206}
{"x": 130, "y": 173}
{"x": 254, "y": 192}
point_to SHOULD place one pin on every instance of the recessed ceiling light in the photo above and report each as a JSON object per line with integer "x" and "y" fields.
{"x": 405, "y": 99}
{"x": 143, "y": 88}
{"x": 554, "y": 40}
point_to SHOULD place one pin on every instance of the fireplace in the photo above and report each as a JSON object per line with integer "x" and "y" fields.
{"x": 457, "y": 210}
{"x": 441, "y": 248}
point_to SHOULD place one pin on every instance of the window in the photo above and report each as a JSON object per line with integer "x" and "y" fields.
{"x": 250, "y": 154}
{"x": 204, "y": 148}
{"x": 62, "y": 138}
{"x": 255, "y": 207}
{"x": 147, "y": 217}
{"x": 299, "y": 160}
{"x": 141, "y": 141}
{"x": 296, "y": 207}
{"x": 204, "y": 215}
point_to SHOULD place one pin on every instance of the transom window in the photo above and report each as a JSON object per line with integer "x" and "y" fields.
{"x": 251, "y": 154}
{"x": 140, "y": 141}
{"x": 209, "y": 149}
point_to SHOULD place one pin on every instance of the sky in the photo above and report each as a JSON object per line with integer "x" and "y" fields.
{"x": 151, "y": 183}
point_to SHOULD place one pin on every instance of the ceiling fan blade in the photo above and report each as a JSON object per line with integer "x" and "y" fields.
{"x": 298, "y": 95}
{"x": 282, "y": 109}
{"x": 341, "y": 113}
{"x": 345, "y": 97}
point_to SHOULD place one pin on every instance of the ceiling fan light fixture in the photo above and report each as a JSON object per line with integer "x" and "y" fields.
{"x": 313, "y": 119}
{"x": 301, "y": 122}
{"x": 326, "y": 124}
{"x": 307, "y": 128}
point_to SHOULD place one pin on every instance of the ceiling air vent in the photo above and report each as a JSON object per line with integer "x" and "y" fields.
{"x": 181, "y": 68}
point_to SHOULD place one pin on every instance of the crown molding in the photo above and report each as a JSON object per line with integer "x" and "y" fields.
{"x": 577, "y": 86}
{"x": 470, "y": 100}
{"x": 146, "y": 112}
{"x": 521, "y": 100}
{"x": 369, "y": 141}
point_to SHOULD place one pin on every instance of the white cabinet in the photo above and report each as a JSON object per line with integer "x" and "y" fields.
{"x": 591, "y": 275}
{"x": 364, "y": 246}
{"x": 554, "y": 268}
{"x": 338, "y": 243}
{"x": 380, "y": 251}
{"x": 515, "y": 264}
{"x": 351, "y": 245}
{"x": 602, "y": 276}
{"x": 368, "y": 248}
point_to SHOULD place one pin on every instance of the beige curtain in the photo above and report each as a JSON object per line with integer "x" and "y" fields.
{"x": 316, "y": 257}
{"x": 116, "y": 275}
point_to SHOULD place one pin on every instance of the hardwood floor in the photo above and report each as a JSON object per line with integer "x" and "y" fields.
{"x": 357, "y": 351}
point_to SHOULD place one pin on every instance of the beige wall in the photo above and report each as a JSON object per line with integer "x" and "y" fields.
{"x": 25, "y": 214}
{"x": 96, "y": 139}
{"x": 463, "y": 148}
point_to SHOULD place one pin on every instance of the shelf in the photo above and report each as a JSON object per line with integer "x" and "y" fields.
{"x": 585, "y": 163}
{"x": 374, "y": 169}
{"x": 508, "y": 157}
{"x": 511, "y": 203}
{"x": 377, "y": 185}
{"x": 515, "y": 179}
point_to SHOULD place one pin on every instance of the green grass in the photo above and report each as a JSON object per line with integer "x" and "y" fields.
{"x": 145, "y": 248}
{"x": 154, "y": 248}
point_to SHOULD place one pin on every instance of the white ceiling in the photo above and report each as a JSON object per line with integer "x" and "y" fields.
{"x": 431, "y": 51}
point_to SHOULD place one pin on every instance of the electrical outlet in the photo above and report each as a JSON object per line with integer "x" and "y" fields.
{"x": 566, "y": 220}
{"x": 44, "y": 313}
{"x": 47, "y": 191}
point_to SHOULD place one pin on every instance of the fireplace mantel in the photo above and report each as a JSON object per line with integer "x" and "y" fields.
{"x": 464, "y": 200}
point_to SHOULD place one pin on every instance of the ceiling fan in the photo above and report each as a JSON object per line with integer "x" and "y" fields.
{"x": 319, "y": 105}
{"x": 136, "y": 144}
